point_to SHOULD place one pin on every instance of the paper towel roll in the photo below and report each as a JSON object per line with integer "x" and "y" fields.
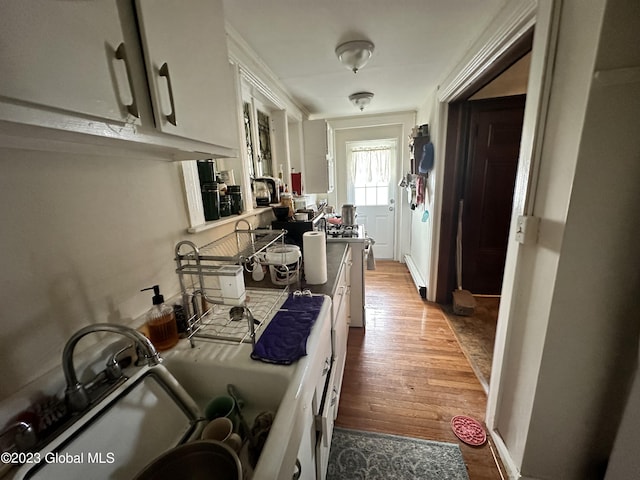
{"x": 315, "y": 257}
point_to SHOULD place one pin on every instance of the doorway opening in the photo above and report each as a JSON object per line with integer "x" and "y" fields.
{"x": 483, "y": 141}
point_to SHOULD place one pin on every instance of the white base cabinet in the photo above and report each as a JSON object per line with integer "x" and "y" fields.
{"x": 329, "y": 359}
{"x": 339, "y": 335}
{"x": 318, "y": 378}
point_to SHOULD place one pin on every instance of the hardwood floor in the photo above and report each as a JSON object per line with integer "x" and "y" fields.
{"x": 406, "y": 375}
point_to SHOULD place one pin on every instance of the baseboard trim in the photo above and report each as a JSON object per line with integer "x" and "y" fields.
{"x": 512, "y": 471}
{"x": 419, "y": 282}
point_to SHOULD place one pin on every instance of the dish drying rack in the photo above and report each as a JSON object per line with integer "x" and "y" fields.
{"x": 212, "y": 282}
{"x": 217, "y": 323}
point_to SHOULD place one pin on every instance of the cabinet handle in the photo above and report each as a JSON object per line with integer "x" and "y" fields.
{"x": 327, "y": 366}
{"x": 121, "y": 54}
{"x": 298, "y": 472}
{"x": 334, "y": 397}
{"x": 164, "y": 72}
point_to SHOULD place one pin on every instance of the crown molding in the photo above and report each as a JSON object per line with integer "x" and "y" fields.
{"x": 258, "y": 74}
{"x": 513, "y": 21}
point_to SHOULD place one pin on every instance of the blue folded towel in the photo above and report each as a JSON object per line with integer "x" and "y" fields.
{"x": 285, "y": 339}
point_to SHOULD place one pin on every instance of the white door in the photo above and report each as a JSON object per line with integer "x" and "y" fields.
{"x": 371, "y": 170}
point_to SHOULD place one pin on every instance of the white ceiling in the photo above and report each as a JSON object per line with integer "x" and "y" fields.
{"x": 417, "y": 42}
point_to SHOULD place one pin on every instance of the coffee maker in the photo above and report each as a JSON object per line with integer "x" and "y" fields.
{"x": 261, "y": 193}
{"x": 295, "y": 230}
{"x": 272, "y": 185}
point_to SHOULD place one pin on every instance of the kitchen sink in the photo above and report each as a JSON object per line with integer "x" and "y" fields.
{"x": 158, "y": 408}
{"x": 260, "y": 389}
{"x": 144, "y": 416}
{"x": 206, "y": 371}
{"x": 161, "y": 406}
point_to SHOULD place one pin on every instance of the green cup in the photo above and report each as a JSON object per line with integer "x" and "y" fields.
{"x": 222, "y": 406}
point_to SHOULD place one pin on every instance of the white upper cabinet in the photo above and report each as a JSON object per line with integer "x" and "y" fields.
{"x": 318, "y": 156}
{"x": 65, "y": 55}
{"x": 188, "y": 69}
{"x": 95, "y": 71}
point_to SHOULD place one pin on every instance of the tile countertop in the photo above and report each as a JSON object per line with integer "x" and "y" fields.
{"x": 335, "y": 255}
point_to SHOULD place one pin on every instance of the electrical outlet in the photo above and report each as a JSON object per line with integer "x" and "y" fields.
{"x": 527, "y": 229}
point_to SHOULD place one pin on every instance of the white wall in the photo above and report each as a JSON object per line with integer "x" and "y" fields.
{"x": 81, "y": 235}
{"x": 421, "y": 239}
{"x": 527, "y": 300}
{"x": 512, "y": 81}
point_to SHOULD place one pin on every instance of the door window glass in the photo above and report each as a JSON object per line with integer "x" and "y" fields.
{"x": 370, "y": 174}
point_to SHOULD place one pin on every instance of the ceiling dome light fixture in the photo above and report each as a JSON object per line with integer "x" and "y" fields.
{"x": 361, "y": 99}
{"x": 355, "y": 55}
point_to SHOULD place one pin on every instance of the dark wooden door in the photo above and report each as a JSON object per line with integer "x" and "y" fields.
{"x": 492, "y": 162}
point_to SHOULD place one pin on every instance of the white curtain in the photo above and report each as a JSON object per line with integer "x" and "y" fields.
{"x": 370, "y": 165}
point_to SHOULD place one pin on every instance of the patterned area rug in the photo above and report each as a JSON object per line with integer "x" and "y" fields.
{"x": 359, "y": 455}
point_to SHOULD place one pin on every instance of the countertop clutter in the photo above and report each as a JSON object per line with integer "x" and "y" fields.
{"x": 303, "y": 389}
{"x": 335, "y": 254}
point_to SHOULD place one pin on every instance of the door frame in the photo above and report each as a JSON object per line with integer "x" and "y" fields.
{"x": 456, "y": 150}
{"x": 517, "y": 17}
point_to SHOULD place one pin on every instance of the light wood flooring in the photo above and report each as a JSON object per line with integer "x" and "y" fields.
{"x": 406, "y": 374}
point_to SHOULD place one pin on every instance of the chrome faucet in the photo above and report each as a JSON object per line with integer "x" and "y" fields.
{"x": 76, "y": 393}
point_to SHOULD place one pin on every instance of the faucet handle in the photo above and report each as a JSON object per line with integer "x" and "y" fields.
{"x": 25, "y": 436}
{"x": 113, "y": 369}
{"x": 147, "y": 358}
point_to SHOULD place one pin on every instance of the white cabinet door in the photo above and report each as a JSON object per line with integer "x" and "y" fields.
{"x": 67, "y": 55}
{"x": 188, "y": 69}
{"x": 306, "y": 466}
{"x": 316, "y": 157}
{"x": 325, "y": 425}
{"x": 341, "y": 334}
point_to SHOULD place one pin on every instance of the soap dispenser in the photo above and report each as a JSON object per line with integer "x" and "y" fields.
{"x": 161, "y": 322}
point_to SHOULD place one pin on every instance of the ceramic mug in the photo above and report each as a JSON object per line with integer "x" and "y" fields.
{"x": 221, "y": 429}
{"x": 222, "y": 406}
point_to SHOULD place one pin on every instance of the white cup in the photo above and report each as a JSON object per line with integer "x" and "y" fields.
{"x": 221, "y": 429}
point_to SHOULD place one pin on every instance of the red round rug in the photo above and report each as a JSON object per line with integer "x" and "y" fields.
{"x": 469, "y": 430}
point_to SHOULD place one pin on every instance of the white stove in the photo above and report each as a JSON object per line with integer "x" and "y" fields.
{"x": 346, "y": 233}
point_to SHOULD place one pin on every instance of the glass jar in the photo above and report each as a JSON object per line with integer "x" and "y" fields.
{"x": 286, "y": 200}
{"x": 225, "y": 205}
{"x": 236, "y": 199}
